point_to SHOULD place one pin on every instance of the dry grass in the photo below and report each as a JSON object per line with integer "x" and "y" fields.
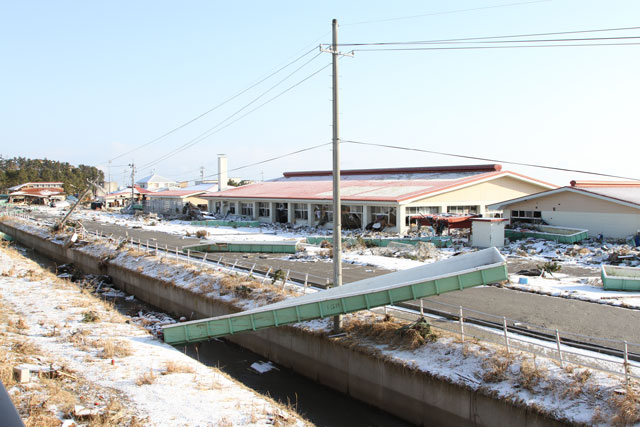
{"x": 113, "y": 348}
{"x": 497, "y": 367}
{"x": 386, "y": 331}
{"x": 202, "y": 233}
{"x": 626, "y": 408}
{"x": 146, "y": 378}
{"x": 578, "y": 384}
{"x": 530, "y": 375}
{"x": 173, "y": 367}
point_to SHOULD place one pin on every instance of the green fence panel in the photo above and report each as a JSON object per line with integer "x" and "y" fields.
{"x": 259, "y": 247}
{"x": 224, "y": 223}
{"x": 454, "y": 274}
{"x": 438, "y": 241}
{"x": 615, "y": 278}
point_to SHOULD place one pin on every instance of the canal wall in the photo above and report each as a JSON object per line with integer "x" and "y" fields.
{"x": 412, "y": 395}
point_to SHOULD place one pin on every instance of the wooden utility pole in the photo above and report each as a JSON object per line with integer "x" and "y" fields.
{"x": 133, "y": 174}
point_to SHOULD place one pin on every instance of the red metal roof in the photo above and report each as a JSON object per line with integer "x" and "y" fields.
{"x": 38, "y": 192}
{"x": 138, "y": 190}
{"x": 575, "y": 183}
{"x": 356, "y": 190}
{"x": 387, "y": 171}
{"x": 176, "y": 193}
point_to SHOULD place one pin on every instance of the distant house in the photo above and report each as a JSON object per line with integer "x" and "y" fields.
{"x": 610, "y": 208}
{"x": 37, "y": 192}
{"x": 389, "y": 196}
{"x": 171, "y": 202}
{"x": 155, "y": 182}
{"x": 123, "y": 197}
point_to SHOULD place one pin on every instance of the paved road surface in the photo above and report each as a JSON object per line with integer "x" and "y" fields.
{"x": 568, "y": 315}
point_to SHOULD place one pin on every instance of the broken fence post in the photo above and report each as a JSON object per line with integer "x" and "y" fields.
{"x": 266, "y": 276}
{"x": 461, "y": 325}
{"x": 251, "y": 271}
{"x": 626, "y": 362}
{"x": 506, "y": 337}
{"x": 204, "y": 258}
{"x": 559, "y": 350}
{"x": 286, "y": 277}
{"x": 220, "y": 261}
{"x": 234, "y": 265}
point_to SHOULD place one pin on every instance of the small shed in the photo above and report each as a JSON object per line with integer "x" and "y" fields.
{"x": 487, "y": 232}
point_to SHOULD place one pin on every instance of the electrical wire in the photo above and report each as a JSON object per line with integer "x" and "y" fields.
{"x": 484, "y": 159}
{"x": 492, "y": 37}
{"x": 443, "y": 13}
{"x": 215, "y": 107}
{"x": 216, "y": 129}
{"x": 493, "y": 47}
{"x": 269, "y": 160}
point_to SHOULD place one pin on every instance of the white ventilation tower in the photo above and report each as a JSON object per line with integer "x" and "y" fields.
{"x": 222, "y": 172}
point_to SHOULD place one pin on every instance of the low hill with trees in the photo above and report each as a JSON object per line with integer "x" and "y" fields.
{"x": 19, "y": 170}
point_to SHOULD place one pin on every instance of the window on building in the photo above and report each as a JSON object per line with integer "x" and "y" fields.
{"x": 300, "y": 211}
{"x": 323, "y": 214}
{"x": 419, "y": 210}
{"x": 232, "y": 208}
{"x": 464, "y": 210}
{"x": 246, "y": 209}
{"x": 351, "y": 217}
{"x": 527, "y": 216}
{"x": 263, "y": 209}
{"x": 386, "y": 213}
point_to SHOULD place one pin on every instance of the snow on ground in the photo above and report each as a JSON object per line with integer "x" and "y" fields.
{"x": 192, "y": 395}
{"x": 571, "y": 393}
{"x": 589, "y": 254}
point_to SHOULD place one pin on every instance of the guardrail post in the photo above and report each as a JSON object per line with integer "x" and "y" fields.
{"x": 306, "y": 282}
{"x": 234, "y": 265}
{"x": 461, "y": 325}
{"x": 266, "y": 276}
{"x": 204, "y": 258}
{"x": 506, "y": 337}
{"x": 252, "y": 267}
{"x": 386, "y": 310}
{"x": 166, "y": 247}
{"x": 146, "y": 249}
{"x": 286, "y": 277}
{"x": 220, "y": 261}
{"x": 626, "y": 362}
{"x": 139, "y": 244}
{"x": 176, "y": 253}
{"x": 189, "y": 256}
{"x": 559, "y": 350}
{"x": 421, "y": 307}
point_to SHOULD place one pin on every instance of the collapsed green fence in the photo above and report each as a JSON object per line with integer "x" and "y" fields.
{"x": 225, "y": 223}
{"x": 264, "y": 247}
{"x": 438, "y": 241}
{"x": 547, "y": 232}
{"x": 453, "y": 274}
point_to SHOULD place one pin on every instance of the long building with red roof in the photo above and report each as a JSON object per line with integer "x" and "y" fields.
{"x": 388, "y": 196}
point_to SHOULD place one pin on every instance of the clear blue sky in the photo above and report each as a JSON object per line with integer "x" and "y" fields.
{"x": 84, "y": 82}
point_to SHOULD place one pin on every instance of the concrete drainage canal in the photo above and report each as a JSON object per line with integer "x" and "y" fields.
{"x": 321, "y": 405}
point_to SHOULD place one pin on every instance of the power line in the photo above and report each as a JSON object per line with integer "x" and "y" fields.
{"x": 443, "y": 13}
{"x": 494, "y": 47}
{"x": 533, "y": 165}
{"x": 215, "y": 107}
{"x": 270, "y": 159}
{"x": 217, "y": 129}
{"x": 492, "y": 37}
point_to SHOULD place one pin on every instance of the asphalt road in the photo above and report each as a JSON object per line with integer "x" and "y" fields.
{"x": 573, "y": 316}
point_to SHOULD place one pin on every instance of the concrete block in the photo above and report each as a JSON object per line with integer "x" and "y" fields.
{"x": 21, "y": 374}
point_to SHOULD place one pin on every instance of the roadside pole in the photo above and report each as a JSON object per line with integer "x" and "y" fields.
{"x": 337, "y": 208}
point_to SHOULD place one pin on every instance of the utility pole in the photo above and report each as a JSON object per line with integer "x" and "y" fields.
{"x": 133, "y": 174}
{"x": 201, "y": 174}
{"x": 109, "y": 185}
{"x": 337, "y": 206}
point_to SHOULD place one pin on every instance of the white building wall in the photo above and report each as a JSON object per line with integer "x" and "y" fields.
{"x": 608, "y": 224}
